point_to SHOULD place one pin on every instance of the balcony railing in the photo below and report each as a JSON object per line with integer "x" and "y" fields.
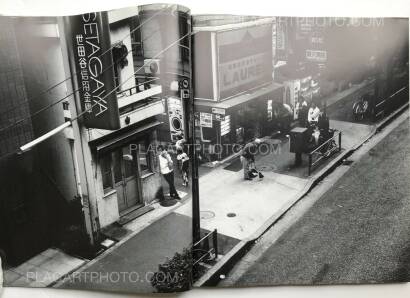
{"x": 139, "y": 92}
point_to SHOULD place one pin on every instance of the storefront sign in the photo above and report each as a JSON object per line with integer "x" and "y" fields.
{"x": 205, "y": 120}
{"x": 95, "y": 75}
{"x": 242, "y": 71}
{"x": 316, "y": 55}
{"x": 219, "y": 117}
{"x": 218, "y": 111}
{"x": 280, "y": 35}
{"x": 245, "y": 59}
{"x": 226, "y": 125}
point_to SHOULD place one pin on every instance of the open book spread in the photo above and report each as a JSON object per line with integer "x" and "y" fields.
{"x": 146, "y": 149}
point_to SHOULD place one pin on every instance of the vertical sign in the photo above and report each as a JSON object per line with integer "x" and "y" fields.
{"x": 226, "y": 125}
{"x": 90, "y": 38}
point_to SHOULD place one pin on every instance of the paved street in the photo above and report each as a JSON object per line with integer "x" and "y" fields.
{"x": 357, "y": 231}
{"x": 129, "y": 266}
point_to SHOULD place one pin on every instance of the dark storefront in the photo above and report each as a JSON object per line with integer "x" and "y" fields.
{"x": 222, "y": 127}
{"x": 234, "y": 92}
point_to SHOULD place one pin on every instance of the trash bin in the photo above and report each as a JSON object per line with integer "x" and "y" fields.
{"x": 298, "y": 142}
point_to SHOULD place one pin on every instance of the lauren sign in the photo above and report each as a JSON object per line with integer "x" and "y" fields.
{"x": 244, "y": 59}
{"x": 90, "y": 39}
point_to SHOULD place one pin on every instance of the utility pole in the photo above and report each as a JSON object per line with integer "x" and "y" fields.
{"x": 196, "y": 214}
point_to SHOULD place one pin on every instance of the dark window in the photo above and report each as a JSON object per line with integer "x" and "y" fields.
{"x": 106, "y": 173}
{"x": 144, "y": 158}
{"x": 129, "y": 164}
{"x": 116, "y": 165}
{"x": 117, "y": 79}
{"x": 184, "y": 43}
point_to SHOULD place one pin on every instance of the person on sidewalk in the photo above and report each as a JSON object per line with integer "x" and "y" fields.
{"x": 248, "y": 157}
{"x": 180, "y": 143}
{"x": 302, "y": 111}
{"x": 167, "y": 171}
{"x": 313, "y": 115}
{"x": 184, "y": 159}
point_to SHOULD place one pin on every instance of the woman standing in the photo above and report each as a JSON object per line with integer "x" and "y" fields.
{"x": 167, "y": 170}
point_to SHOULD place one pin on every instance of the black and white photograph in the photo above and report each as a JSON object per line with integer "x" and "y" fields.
{"x": 153, "y": 149}
{"x": 93, "y": 150}
{"x": 302, "y": 130}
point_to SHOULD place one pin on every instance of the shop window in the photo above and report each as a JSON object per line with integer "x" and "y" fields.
{"x": 144, "y": 158}
{"x": 129, "y": 164}
{"x": 106, "y": 173}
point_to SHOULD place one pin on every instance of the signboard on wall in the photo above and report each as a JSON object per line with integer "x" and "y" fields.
{"x": 218, "y": 111}
{"x": 316, "y": 55}
{"x": 90, "y": 39}
{"x": 244, "y": 59}
{"x": 205, "y": 120}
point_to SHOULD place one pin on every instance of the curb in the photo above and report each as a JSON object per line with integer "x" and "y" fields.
{"x": 212, "y": 277}
{"x": 60, "y": 282}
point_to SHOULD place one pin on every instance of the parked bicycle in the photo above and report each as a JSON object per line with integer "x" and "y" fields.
{"x": 361, "y": 108}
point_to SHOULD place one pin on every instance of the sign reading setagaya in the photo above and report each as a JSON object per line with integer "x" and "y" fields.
{"x": 94, "y": 72}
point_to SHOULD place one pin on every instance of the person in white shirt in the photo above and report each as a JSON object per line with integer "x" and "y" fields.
{"x": 302, "y": 111}
{"x": 167, "y": 171}
{"x": 313, "y": 114}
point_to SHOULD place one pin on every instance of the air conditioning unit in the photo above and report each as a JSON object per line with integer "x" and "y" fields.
{"x": 151, "y": 66}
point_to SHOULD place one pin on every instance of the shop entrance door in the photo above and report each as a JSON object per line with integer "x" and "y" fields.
{"x": 126, "y": 180}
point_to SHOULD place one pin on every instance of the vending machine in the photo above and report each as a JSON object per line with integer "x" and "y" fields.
{"x": 176, "y": 117}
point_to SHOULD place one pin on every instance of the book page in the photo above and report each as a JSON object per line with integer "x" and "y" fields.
{"x": 301, "y": 127}
{"x": 93, "y": 157}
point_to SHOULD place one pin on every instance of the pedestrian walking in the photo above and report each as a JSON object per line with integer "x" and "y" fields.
{"x": 248, "y": 158}
{"x": 184, "y": 159}
{"x": 167, "y": 171}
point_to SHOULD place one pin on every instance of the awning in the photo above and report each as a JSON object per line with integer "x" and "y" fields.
{"x": 240, "y": 99}
{"x": 122, "y": 139}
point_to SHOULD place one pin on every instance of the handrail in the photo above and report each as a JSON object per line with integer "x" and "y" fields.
{"x": 322, "y": 155}
{"x": 316, "y": 149}
{"x": 214, "y": 249}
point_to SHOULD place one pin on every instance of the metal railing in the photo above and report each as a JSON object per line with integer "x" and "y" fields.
{"x": 206, "y": 249}
{"x": 332, "y": 145}
{"x": 136, "y": 89}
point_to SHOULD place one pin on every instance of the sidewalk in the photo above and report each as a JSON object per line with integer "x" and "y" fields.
{"x": 258, "y": 204}
{"x": 223, "y": 190}
{"x": 128, "y": 266}
{"x": 42, "y": 270}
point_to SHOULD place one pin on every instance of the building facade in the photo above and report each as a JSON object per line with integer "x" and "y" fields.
{"x": 233, "y": 83}
{"x": 82, "y": 179}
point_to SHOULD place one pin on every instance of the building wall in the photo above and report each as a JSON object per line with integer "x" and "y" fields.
{"x": 13, "y": 96}
{"x": 42, "y": 60}
{"x": 38, "y": 184}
